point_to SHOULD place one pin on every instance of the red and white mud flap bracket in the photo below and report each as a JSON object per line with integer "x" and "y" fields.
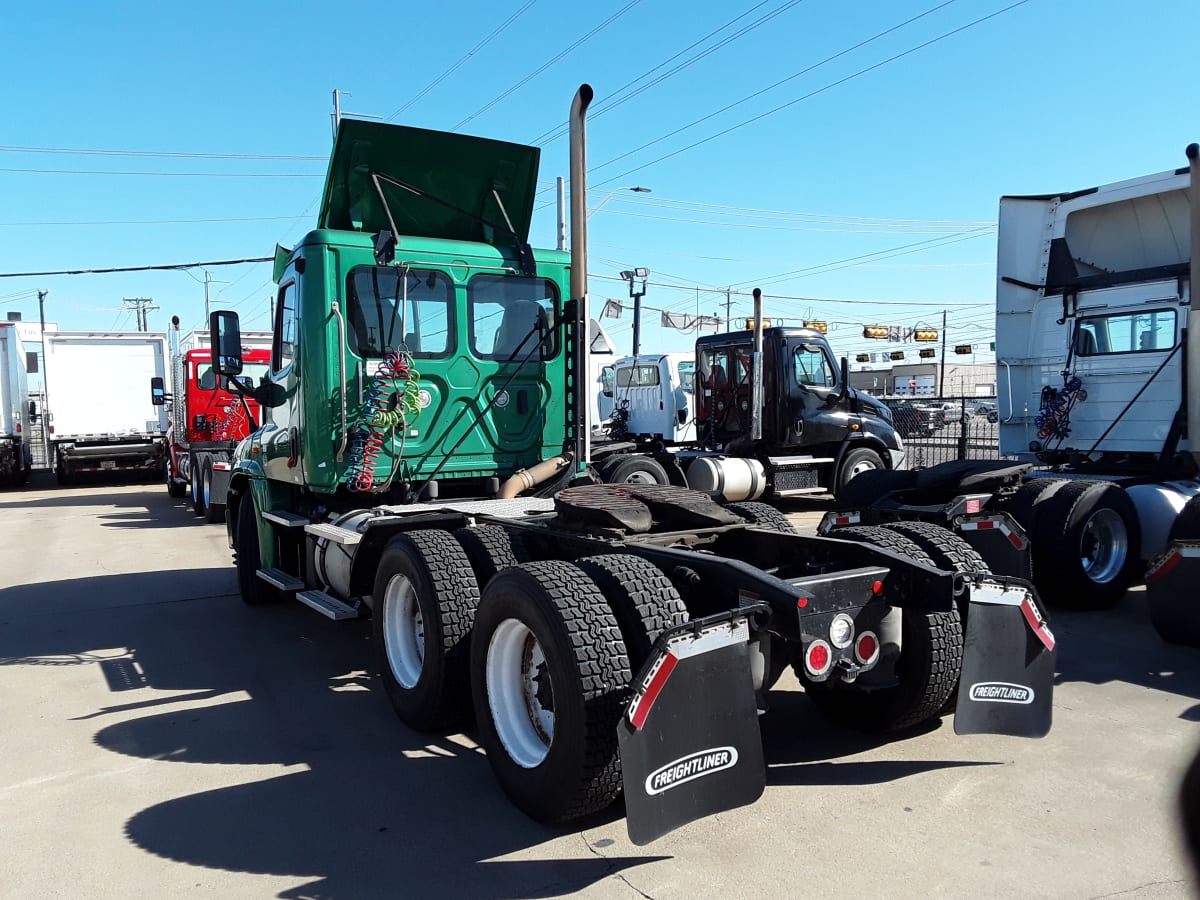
{"x": 1007, "y": 680}
{"x": 219, "y": 491}
{"x": 690, "y": 744}
{"x": 998, "y": 538}
{"x": 1172, "y": 595}
{"x": 832, "y": 520}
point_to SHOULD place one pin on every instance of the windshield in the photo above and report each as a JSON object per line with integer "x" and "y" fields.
{"x": 687, "y": 375}
{"x": 389, "y": 307}
{"x": 252, "y": 373}
{"x": 505, "y": 310}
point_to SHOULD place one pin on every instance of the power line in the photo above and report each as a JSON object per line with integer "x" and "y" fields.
{"x": 165, "y": 154}
{"x": 616, "y": 99}
{"x": 538, "y": 71}
{"x": 146, "y": 221}
{"x": 159, "y": 268}
{"x": 807, "y": 96}
{"x": 168, "y": 174}
{"x": 461, "y": 60}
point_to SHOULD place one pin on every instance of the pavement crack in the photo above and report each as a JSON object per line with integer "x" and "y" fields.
{"x": 1137, "y": 888}
{"x": 595, "y": 852}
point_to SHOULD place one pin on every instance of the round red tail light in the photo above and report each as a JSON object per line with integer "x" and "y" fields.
{"x": 866, "y": 648}
{"x": 818, "y": 658}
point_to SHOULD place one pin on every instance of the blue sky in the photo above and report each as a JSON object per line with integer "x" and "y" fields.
{"x": 880, "y": 189}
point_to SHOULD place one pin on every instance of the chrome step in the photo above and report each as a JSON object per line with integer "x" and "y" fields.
{"x": 795, "y": 492}
{"x": 285, "y": 518}
{"x": 280, "y": 579}
{"x": 328, "y": 606}
{"x": 333, "y": 533}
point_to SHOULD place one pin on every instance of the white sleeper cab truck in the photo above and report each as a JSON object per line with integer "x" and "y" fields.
{"x": 651, "y": 397}
{"x": 1098, "y": 352}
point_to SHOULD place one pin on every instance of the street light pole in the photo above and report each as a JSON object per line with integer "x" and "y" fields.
{"x": 643, "y": 274}
{"x": 637, "y": 189}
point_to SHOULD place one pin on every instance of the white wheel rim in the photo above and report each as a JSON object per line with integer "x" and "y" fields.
{"x": 403, "y": 631}
{"x": 640, "y": 478}
{"x": 520, "y": 693}
{"x": 1104, "y": 546}
{"x": 207, "y": 486}
{"x": 865, "y": 466}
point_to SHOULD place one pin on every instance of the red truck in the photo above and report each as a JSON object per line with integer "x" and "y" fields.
{"x": 207, "y": 421}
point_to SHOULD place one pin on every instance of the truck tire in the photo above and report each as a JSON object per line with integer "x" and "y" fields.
{"x": 641, "y": 597}
{"x": 550, "y": 680}
{"x": 633, "y": 470}
{"x": 865, "y": 489}
{"x": 1176, "y": 618}
{"x": 424, "y": 605}
{"x": 1023, "y": 505}
{"x": 213, "y": 512}
{"x": 927, "y": 670}
{"x": 248, "y": 557}
{"x": 943, "y": 547}
{"x": 763, "y": 515}
{"x": 857, "y": 462}
{"x": 175, "y": 490}
{"x": 1086, "y": 544}
{"x": 195, "y": 463}
{"x": 491, "y": 549}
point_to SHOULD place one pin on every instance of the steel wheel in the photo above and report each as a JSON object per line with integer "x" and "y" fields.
{"x": 206, "y": 487}
{"x": 1104, "y": 546}
{"x": 640, "y": 478}
{"x": 520, "y": 693}
{"x": 403, "y": 631}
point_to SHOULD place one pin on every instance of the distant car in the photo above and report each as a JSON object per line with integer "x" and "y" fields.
{"x": 909, "y": 419}
{"x": 935, "y": 414}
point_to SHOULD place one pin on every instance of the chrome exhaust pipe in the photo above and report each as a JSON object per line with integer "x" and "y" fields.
{"x": 579, "y": 286}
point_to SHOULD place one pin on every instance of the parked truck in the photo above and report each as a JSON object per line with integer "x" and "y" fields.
{"x": 1098, "y": 346}
{"x": 424, "y": 460}
{"x": 206, "y": 421}
{"x": 16, "y": 454}
{"x": 101, "y": 416}
{"x": 774, "y": 416}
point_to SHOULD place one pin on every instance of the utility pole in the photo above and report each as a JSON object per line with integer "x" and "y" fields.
{"x": 562, "y": 212}
{"x": 141, "y": 307}
{"x": 728, "y": 305}
{"x": 207, "y": 282}
{"x": 942, "y": 377}
{"x": 335, "y": 116}
{"x": 45, "y": 378}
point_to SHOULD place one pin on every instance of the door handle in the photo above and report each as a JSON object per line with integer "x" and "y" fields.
{"x": 293, "y": 446}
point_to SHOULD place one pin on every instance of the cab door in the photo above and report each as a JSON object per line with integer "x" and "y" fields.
{"x": 816, "y": 417}
{"x": 281, "y": 432}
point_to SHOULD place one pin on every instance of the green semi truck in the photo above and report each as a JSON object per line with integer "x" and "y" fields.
{"x": 424, "y": 460}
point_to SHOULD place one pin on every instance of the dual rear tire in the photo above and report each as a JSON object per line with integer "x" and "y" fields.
{"x": 543, "y": 656}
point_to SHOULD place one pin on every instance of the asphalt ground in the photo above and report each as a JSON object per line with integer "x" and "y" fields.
{"x": 160, "y": 739}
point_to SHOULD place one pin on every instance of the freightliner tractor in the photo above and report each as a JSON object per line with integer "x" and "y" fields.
{"x": 424, "y": 460}
{"x": 774, "y": 416}
{"x": 1098, "y": 350}
{"x": 206, "y": 420}
{"x": 16, "y": 454}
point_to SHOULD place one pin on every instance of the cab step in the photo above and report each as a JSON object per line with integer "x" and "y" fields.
{"x": 280, "y": 579}
{"x": 284, "y": 518}
{"x": 328, "y": 606}
{"x": 334, "y": 533}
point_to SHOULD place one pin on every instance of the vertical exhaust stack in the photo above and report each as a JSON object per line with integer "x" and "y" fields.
{"x": 1192, "y": 365}
{"x": 756, "y": 384}
{"x": 579, "y": 285}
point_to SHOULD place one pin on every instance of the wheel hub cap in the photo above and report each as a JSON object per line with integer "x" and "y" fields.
{"x": 403, "y": 631}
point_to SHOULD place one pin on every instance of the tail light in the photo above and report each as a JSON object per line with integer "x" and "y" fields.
{"x": 818, "y": 658}
{"x": 866, "y": 648}
{"x": 18, "y": 428}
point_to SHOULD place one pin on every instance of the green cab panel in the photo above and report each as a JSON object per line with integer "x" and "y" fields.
{"x": 453, "y": 183}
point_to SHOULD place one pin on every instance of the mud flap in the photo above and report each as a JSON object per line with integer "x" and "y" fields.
{"x": 1171, "y": 593}
{"x": 1007, "y": 681}
{"x": 690, "y": 744}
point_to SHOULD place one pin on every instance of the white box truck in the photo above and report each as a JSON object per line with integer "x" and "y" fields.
{"x": 16, "y": 457}
{"x": 100, "y": 410}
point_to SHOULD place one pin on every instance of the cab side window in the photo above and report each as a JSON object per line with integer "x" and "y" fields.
{"x": 812, "y": 368}
{"x": 283, "y": 346}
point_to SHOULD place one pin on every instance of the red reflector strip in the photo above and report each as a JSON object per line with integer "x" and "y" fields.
{"x": 986, "y": 524}
{"x": 1165, "y": 566}
{"x": 1034, "y": 618}
{"x": 653, "y": 689}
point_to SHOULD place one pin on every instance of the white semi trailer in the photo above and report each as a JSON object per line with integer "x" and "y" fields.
{"x": 15, "y": 452}
{"x": 100, "y": 410}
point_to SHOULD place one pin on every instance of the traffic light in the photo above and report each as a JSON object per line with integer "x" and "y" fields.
{"x": 750, "y": 323}
{"x": 817, "y": 326}
{"x": 876, "y": 331}
{"x": 862, "y": 357}
{"x": 928, "y": 353}
{"x": 963, "y": 349}
{"x": 925, "y": 334}
{"x": 896, "y": 354}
